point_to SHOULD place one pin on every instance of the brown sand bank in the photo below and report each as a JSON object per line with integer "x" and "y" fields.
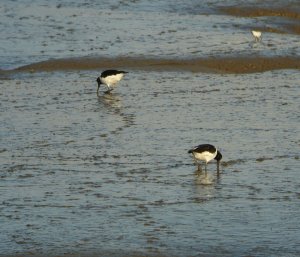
{"x": 247, "y": 11}
{"x": 218, "y": 64}
{"x": 291, "y": 13}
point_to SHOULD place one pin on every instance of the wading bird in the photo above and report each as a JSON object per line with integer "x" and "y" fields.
{"x": 256, "y": 35}
{"x": 206, "y": 153}
{"x": 110, "y": 78}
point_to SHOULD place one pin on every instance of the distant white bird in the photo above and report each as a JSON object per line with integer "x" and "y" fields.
{"x": 110, "y": 78}
{"x": 257, "y": 35}
{"x": 205, "y": 152}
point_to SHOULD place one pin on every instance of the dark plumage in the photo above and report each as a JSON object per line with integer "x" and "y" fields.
{"x": 106, "y": 73}
{"x": 206, "y": 152}
{"x": 110, "y": 78}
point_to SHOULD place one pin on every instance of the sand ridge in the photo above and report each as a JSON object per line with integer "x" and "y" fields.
{"x": 238, "y": 65}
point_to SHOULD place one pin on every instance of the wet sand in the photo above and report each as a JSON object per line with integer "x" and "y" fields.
{"x": 231, "y": 65}
{"x": 288, "y": 13}
{"x": 246, "y": 11}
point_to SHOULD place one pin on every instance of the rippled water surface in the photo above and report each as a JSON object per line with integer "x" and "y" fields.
{"x": 110, "y": 175}
{"x": 39, "y": 30}
{"x": 81, "y": 173}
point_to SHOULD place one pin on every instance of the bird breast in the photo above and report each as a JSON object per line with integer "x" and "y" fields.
{"x": 205, "y": 156}
{"x": 112, "y": 79}
{"x": 256, "y": 33}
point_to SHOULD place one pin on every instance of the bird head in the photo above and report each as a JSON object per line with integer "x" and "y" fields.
{"x": 99, "y": 81}
{"x": 218, "y": 156}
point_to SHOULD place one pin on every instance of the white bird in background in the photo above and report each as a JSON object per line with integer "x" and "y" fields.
{"x": 110, "y": 78}
{"x": 257, "y": 35}
{"x": 206, "y": 152}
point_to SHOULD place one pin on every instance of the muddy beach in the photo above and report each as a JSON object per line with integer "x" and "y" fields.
{"x": 236, "y": 65}
{"x": 288, "y": 22}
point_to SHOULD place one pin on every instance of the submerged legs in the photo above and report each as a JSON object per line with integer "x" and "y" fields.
{"x": 109, "y": 89}
{"x": 198, "y": 165}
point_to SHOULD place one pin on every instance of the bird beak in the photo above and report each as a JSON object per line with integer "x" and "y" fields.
{"x": 99, "y": 83}
{"x": 98, "y": 89}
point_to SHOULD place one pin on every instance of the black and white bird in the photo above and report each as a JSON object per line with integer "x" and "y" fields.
{"x": 257, "y": 35}
{"x": 206, "y": 153}
{"x": 110, "y": 78}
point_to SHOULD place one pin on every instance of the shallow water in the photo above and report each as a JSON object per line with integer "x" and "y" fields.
{"x": 40, "y": 30}
{"x": 84, "y": 174}
{"x": 110, "y": 175}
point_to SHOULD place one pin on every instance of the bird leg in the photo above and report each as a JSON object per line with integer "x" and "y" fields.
{"x": 257, "y": 39}
{"x": 109, "y": 89}
{"x": 198, "y": 165}
{"x": 199, "y": 169}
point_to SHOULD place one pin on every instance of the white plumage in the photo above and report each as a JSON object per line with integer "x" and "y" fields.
{"x": 206, "y": 153}
{"x": 256, "y": 35}
{"x": 110, "y": 78}
{"x": 205, "y": 156}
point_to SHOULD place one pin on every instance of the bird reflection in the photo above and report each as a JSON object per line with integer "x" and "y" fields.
{"x": 202, "y": 178}
{"x": 111, "y": 101}
{"x": 204, "y": 188}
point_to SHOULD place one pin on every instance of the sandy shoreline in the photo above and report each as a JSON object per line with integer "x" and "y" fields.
{"x": 235, "y": 65}
{"x": 291, "y": 13}
{"x": 246, "y": 11}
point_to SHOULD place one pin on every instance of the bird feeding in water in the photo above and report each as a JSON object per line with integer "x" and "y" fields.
{"x": 206, "y": 153}
{"x": 110, "y": 78}
{"x": 257, "y": 35}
